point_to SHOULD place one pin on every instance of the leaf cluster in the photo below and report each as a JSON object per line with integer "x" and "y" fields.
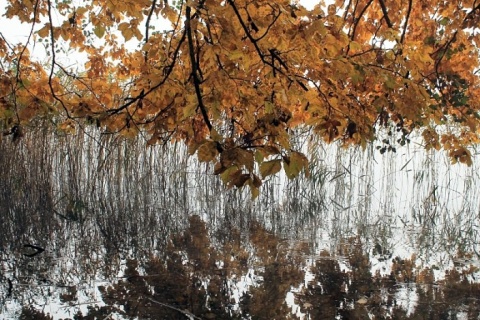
{"x": 235, "y": 80}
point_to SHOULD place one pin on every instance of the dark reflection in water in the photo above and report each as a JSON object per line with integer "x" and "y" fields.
{"x": 94, "y": 227}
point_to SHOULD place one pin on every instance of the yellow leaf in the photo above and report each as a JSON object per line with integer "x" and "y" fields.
{"x": 99, "y": 31}
{"x": 462, "y": 155}
{"x": 67, "y": 126}
{"x": 169, "y": 13}
{"x": 269, "y": 107}
{"x": 215, "y": 135}
{"x": 192, "y": 148}
{"x": 268, "y": 168}
{"x": 294, "y": 164}
{"x": 123, "y": 26}
{"x": 228, "y": 173}
{"x": 80, "y": 11}
{"x": 128, "y": 34}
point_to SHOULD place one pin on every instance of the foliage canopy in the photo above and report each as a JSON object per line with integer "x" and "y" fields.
{"x": 237, "y": 80}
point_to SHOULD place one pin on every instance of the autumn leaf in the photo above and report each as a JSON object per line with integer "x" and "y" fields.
{"x": 240, "y": 83}
{"x": 207, "y": 151}
{"x": 218, "y": 168}
{"x": 246, "y": 158}
{"x": 228, "y": 174}
{"x": 294, "y": 164}
{"x": 238, "y": 179}
{"x": 44, "y": 32}
{"x": 256, "y": 182}
{"x": 269, "y": 168}
{"x": 461, "y": 155}
{"x": 99, "y": 31}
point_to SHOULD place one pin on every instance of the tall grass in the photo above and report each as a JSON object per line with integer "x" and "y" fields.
{"x": 102, "y": 198}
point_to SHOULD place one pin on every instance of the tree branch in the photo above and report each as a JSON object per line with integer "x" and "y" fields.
{"x": 385, "y": 13}
{"x": 194, "y": 63}
{"x": 269, "y": 26}
{"x": 254, "y": 41}
{"x": 35, "y": 8}
{"x": 440, "y": 52}
{"x": 402, "y": 38}
{"x": 52, "y": 69}
{"x": 168, "y": 70}
{"x": 357, "y": 20}
{"x": 347, "y": 8}
{"x": 149, "y": 18}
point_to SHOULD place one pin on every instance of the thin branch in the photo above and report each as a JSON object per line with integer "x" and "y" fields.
{"x": 194, "y": 63}
{"x": 6, "y": 42}
{"x": 347, "y": 8}
{"x": 254, "y": 41}
{"x": 149, "y": 18}
{"x": 52, "y": 69}
{"x": 270, "y": 25}
{"x": 357, "y": 20}
{"x": 158, "y": 114}
{"x": 409, "y": 10}
{"x": 17, "y": 76}
{"x": 168, "y": 70}
{"x": 385, "y": 13}
{"x": 354, "y": 20}
{"x": 28, "y": 39}
{"x": 249, "y": 36}
{"x": 470, "y": 15}
{"x": 443, "y": 49}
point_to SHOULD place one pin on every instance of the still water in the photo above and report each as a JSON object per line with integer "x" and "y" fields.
{"x": 96, "y": 227}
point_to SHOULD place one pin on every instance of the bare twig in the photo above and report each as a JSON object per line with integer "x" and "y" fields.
{"x": 274, "y": 55}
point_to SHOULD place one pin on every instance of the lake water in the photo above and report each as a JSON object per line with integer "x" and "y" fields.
{"x": 93, "y": 226}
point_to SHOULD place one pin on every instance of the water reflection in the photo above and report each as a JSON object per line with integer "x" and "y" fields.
{"x": 133, "y": 232}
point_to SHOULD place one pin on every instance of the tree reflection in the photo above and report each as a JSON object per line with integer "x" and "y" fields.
{"x": 198, "y": 274}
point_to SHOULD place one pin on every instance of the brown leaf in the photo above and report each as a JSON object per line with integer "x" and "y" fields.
{"x": 239, "y": 180}
{"x": 207, "y": 151}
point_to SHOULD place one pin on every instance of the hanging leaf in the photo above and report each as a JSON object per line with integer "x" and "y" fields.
{"x": 207, "y": 151}
{"x": 269, "y": 168}
{"x": 295, "y": 164}
{"x": 238, "y": 179}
